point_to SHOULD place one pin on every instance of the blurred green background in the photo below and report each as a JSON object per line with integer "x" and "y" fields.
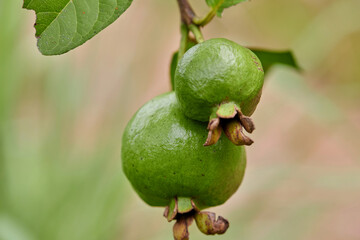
{"x": 61, "y": 121}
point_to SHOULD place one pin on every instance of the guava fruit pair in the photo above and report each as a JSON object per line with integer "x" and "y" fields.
{"x": 167, "y": 165}
{"x": 162, "y": 148}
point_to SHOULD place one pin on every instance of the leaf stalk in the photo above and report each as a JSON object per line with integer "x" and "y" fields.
{"x": 209, "y": 17}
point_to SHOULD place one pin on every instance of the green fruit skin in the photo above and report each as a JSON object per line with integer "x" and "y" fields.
{"x": 163, "y": 156}
{"x": 215, "y": 71}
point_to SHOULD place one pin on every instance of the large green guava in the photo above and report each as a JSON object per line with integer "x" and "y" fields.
{"x": 167, "y": 165}
{"x": 219, "y": 79}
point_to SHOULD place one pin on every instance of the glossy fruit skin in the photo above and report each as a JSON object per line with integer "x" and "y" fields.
{"x": 163, "y": 156}
{"x": 216, "y": 71}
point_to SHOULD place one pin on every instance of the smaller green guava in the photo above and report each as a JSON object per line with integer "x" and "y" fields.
{"x": 167, "y": 165}
{"x": 220, "y": 82}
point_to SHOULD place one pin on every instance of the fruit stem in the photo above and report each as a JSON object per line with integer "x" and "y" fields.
{"x": 197, "y": 33}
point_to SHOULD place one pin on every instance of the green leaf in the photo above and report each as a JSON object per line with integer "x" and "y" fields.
{"x": 62, "y": 25}
{"x": 173, "y": 65}
{"x": 270, "y": 58}
{"x": 222, "y": 4}
{"x": 174, "y": 62}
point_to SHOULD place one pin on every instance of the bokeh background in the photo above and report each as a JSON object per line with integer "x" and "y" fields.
{"x": 61, "y": 121}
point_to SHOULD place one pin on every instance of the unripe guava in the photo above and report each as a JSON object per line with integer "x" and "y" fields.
{"x": 163, "y": 157}
{"x": 220, "y": 79}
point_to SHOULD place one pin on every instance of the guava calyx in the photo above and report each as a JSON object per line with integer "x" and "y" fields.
{"x": 229, "y": 118}
{"x": 178, "y": 206}
{"x": 184, "y": 211}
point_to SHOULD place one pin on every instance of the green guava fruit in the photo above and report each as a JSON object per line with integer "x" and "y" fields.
{"x": 221, "y": 82}
{"x": 163, "y": 158}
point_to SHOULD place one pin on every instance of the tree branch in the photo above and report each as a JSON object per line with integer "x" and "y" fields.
{"x": 187, "y": 13}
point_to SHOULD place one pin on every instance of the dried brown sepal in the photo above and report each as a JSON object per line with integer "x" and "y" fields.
{"x": 213, "y": 136}
{"x": 213, "y": 124}
{"x": 246, "y": 122}
{"x": 172, "y": 210}
{"x": 181, "y": 227}
{"x": 209, "y": 225}
{"x": 194, "y": 206}
{"x": 233, "y": 130}
{"x": 166, "y": 212}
